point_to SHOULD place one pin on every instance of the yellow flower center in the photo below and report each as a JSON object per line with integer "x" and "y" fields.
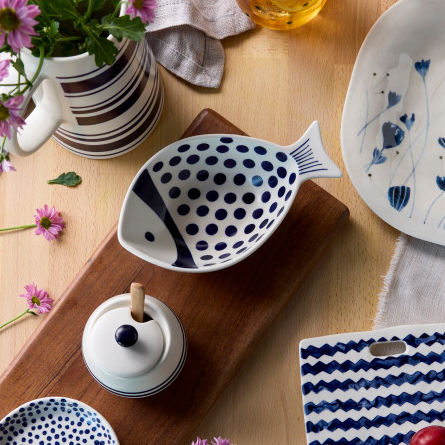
{"x": 45, "y": 222}
{"x": 138, "y": 4}
{"x": 9, "y": 20}
{"x": 4, "y": 113}
{"x": 35, "y": 300}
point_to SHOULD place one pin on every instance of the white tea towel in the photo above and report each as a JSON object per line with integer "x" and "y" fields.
{"x": 414, "y": 288}
{"x": 185, "y": 37}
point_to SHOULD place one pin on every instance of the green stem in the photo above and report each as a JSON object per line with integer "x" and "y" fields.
{"x": 67, "y": 39}
{"x": 13, "y": 84}
{"x": 3, "y": 145}
{"x": 39, "y": 68}
{"x": 89, "y": 9}
{"x": 16, "y": 318}
{"x": 29, "y": 226}
{"x": 118, "y": 8}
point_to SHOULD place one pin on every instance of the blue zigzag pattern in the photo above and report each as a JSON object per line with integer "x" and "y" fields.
{"x": 385, "y": 440}
{"x": 377, "y": 422}
{"x": 412, "y": 379}
{"x": 374, "y": 364}
{"x": 349, "y": 405}
{"x": 317, "y": 352}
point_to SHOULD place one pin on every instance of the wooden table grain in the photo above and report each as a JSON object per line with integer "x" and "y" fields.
{"x": 275, "y": 84}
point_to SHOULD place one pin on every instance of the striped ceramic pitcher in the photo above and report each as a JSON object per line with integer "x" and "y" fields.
{"x": 94, "y": 112}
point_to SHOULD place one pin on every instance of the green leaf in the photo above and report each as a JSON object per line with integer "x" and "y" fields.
{"x": 124, "y": 26}
{"x": 97, "y": 4}
{"x": 19, "y": 67}
{"x": 70, "y": 179}
{"x": 62, "y": 9}
{"x": 103, "y": 49}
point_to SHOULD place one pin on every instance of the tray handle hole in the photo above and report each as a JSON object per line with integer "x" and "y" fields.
{"x": 385, "y": 348}
{"x": 145, "y": 319}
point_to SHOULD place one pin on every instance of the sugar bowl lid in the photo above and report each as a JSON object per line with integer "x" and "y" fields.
{"x": 134, "y": 345}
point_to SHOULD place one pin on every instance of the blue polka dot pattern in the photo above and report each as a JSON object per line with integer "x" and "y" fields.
{"x": 211, "y": 229}
{"x": 221, "y": 214}
{"x": 203, "y": 147}
{"x": 175, "y": 161}
{"x": 273, "y": 181}
{"x": 239, "y": 213}
{"x": 174, "y": 192}
{"x": 249, "y": 228}
{"x": 239, "y": 179}
{"x": 192, "y": 229}
{"x": 202, "y": 245}
{"x": 257, "y": 181}
{"x": 212, "y": 195}
{"x": 183, "y": 209}
{"x": 281, "y": 156}
{"x": 202, "y": 210}
{"x": 149, "y": 236}
{"x": 230, "y": 198}
{"x": 184, "y": 174}
{"x": 281, "y": 172}
{"x": 211, "y": 160}
{"x": 193, "y": 159}
{"x": 220, "y": 178}
{"x": 249, "y": 163}
{"x": 76, "y": 422}
{"x": 229, "y": 190}
{"x": 229, "y": 163}
{"x": 248, "y": 198}
{"x": 202, "y": 175}
{"x": 265, "y": 197}
{"x": 242, "y": 148}
{"x": 194, "y": 193}
{"x": 220, "y": 246}
{"x": 231, "y": 230}
{"x": 166, "y": 177}
{"x": 158, "y": 166}
{"x": 266, "y": 165}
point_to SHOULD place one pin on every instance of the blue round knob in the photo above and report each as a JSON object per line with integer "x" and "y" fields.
{"x": 126, "y": 335}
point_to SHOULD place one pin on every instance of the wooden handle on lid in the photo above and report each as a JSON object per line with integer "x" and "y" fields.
{"x": 137, "y": 293}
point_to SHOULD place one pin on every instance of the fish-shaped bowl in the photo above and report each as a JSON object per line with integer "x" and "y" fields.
{"x": 207, "y": 202}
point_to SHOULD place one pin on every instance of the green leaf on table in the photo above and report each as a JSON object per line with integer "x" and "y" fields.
{"x": 124, "y": 26}
{"x": 103, "y": 49}
{"x": 70, "y": 179}
{"x": 18, "y": 66}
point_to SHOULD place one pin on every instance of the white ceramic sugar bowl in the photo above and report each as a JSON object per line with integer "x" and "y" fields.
{"x": 131, "y": 358}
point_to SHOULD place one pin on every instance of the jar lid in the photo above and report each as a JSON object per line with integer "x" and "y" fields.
{"x": 124, "y": 347}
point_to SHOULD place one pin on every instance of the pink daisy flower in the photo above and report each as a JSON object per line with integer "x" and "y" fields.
{"x": 4, "y": 69}
{"x": 200, "y": 442}
{"x": 6, "y": 165}
{"x": 9, "y": 115}
{"x": 17, "y": 22}
{"x": 145, "y": 9}
{"x": 220, "y": 441}
{"x": 49, "y": 222}
{"x": 37, "y": 299}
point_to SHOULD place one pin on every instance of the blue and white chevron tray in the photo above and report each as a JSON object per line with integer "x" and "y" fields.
{"x": 352, "y": 397}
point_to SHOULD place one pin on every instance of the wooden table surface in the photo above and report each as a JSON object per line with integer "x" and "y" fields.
{"x": 275, "y": 84}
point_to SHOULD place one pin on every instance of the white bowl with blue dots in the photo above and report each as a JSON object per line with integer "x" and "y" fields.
{"x": 56, "y": 421}
{"x": 206, "y": 202}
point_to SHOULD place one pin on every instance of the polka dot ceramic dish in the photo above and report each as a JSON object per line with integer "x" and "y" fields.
{"x": 56, "y": 421}
{"x": 207, "y": 202}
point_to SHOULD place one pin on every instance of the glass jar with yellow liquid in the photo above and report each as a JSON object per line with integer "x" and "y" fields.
{"x": 281, "y": 14}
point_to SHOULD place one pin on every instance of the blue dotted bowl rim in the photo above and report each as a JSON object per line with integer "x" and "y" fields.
{"x": 59, "y": 399}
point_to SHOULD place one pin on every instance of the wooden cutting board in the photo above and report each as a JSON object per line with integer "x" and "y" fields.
{"x": 224, "y": 313}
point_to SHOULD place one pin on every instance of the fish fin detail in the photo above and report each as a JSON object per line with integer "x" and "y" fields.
{"x": 311, "y": 157}
{"x": 146, "y": 190}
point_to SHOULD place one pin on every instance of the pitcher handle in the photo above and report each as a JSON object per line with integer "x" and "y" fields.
{"x": 41, "y": 123}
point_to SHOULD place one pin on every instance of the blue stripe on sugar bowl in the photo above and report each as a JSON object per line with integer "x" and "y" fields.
{"x": 113, "y": 108}
{"x": 352, "y": 397}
